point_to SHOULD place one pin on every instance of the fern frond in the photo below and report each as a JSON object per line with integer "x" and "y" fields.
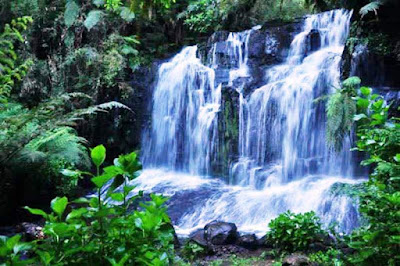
{"x": 371, "y": 7}
{"x": 340, "y": 110}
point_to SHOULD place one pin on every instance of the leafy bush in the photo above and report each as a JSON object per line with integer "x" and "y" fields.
{"x": 95, "y": 232}
{"x": 378, "y": 243}
{"x": 205, "y": 16}
{"x": 294, "y": 232}
{"x": 202, "y": 16}
{"x": 331, "y": 257}
{"x": 192, "y": 250}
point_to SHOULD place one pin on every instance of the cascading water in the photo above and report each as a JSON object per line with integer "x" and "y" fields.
{"x": 281, "y": 128}
{"x": 283, "y": 162}
{"x": 185, "y": 104}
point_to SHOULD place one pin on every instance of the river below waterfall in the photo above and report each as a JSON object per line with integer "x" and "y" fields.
{"x": 274, "y": 158}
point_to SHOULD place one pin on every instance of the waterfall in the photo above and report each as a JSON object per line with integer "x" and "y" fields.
{"x": 283, "y": 162}
{"x": 280, "y": 125}
{"x": 185, "y": 105}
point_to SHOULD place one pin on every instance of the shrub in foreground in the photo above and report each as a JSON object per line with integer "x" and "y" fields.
{"x": 294, "y": 232}
{"x": 93, "y": 231}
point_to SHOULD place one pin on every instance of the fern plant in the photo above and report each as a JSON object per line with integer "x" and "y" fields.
{"x": 11, "y": 70}
{"x": 340, "y": 110}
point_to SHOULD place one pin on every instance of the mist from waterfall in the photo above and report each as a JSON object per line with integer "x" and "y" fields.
{"x": 283, "y": 161}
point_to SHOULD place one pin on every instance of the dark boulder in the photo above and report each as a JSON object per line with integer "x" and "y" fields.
{"x": 220, "y": 233}
{"x": 265, "y": 243}
{"x": 198, "y": 237}
{"x": 248, "y": 241}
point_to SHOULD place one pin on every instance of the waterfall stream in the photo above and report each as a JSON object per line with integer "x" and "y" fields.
{"x": 283, "y": 162}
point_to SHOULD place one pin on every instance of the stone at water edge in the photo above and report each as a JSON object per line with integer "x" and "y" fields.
{"x": 199, "y": 238}
{"x": 220, "y": 233}
{"x": 248, "y": 241}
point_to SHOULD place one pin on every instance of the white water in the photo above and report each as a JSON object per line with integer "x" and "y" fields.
{"x": 284, "y": 163}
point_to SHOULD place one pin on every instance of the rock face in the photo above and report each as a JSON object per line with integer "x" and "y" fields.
{"x": 372, "y": 53}
{"x": 199, "y": 238}
{"x": 248, "y": 241}
{"x": 220, "y": 233}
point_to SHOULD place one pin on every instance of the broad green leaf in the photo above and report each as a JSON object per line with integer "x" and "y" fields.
{"x": 71, "y": 13}
{"x": 21, "y": 247}
{"x": 362, "y": 103}
{"x": 126, "y": 14}
{"x": 365, "y": 91}
{"x": 93, "y": 18}
{"x": 98, "y": 155}
{"x": 76, "y": 214}
{"x": 12, "y": 241}
{"x": 58, "y": 205}
{"x": 101, "y": 180}
{"x": 397, "y": 157}
{"x": 81, "y": 200}
{"x": 359, "y": 117}
{"x": 36, "y": 211}
{"x": 117, "y": 196}
{"x": 128, "y": 189}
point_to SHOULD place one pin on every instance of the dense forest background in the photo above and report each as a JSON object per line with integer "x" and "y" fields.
{"x": 77, "y": 73}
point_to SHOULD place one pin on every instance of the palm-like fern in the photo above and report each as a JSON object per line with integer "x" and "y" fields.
{"x": 19, "y": 126}
{"x": 10, "y": 70}
{"x": 61, "y": 143}
{"x": 340, "y": 110}
{"x": 371, "y": 7}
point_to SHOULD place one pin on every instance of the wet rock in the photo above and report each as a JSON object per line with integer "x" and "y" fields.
{"x": 248, "y": 241}
{"x": 226, "y": 250}
{"x": 313, "y": 41}
{"x": 263, "y": 242}
{"x": 296, "y": 260}
{"x": 220, "y": 233}
{"x": 348, "y": 251}
{"x": 199, "y": 238}
{"x": 31, "y": 231}
{"x": 318, "y": 246}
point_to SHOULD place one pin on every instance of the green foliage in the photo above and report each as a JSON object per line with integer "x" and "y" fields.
{"x": 12, "y": 249}
{"x": 202, "y": 16}
{"x": 192, "y": 251}
{"x": 340, "y": 110}
{"x": 377, "y": 42}
{"x": 294, "y": 232}
{"x": 205, "y": 16}
{"x": 93, "y": 18}
{"x": 71, "y": 12}
{"x": 11, "y": 70}
{"x": 349, "y": 190}
{"x": 378, "y": 136}
{"x": 371, "y": 7}
{"x": 332, "y": 257}
{"x": 40, "y": 142}
{"x": 95, "y": 232}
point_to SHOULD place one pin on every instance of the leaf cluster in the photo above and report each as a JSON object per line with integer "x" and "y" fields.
{"x": 295, "y": 232}
{"x": 92, "y": 231}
